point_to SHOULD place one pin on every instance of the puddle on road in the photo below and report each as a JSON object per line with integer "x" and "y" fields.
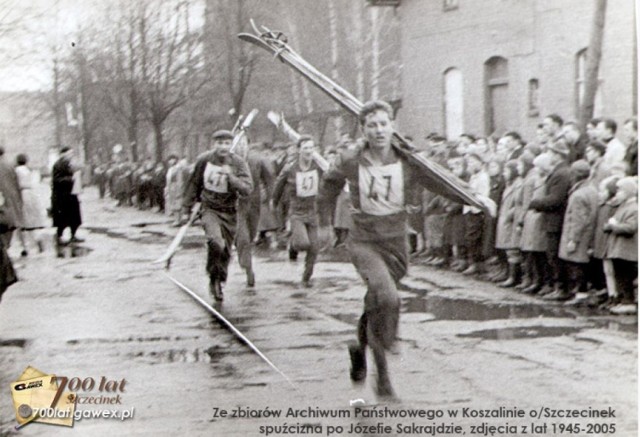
{"x": 14, "y": 342}
{"x": 212, "y": 354}
{"x": 470, "y": 310}
{"x": 463, "y": 309}
{"x": 521, "y": 332}
{"x": 129, "y": 340}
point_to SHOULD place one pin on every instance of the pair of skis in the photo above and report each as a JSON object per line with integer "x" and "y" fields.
{"x": 448, "y": 184}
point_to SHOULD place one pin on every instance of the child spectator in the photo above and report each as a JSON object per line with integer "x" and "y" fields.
{"x": 505, "y": 239}
{"x": 524, "y": 166}
{"x": 622, "y": 243}
{"x": 606, "y": 192}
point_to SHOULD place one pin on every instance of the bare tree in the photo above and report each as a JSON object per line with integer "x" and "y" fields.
{"x": 172, "y": 62}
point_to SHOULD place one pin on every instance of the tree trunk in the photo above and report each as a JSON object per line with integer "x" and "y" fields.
{"x": 132, "y": 130}
{"x": 335, "y": 75}
{"x": 375, "y": 53}
{"x": 359, "y": 49}
{"x": 157, "y": 132}
{"x": 594, "y": 54}
{"x": 56, "y": 102}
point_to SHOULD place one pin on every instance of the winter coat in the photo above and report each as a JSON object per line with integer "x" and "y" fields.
{"x": 174, "y": 188}
{"x": 12, "y": 196}
{"x": 579, "y": 222}
{"x": 622, "y": 242}
{"x": 553, "y": 201}
{"x": 533, "y": 237}
{"x": 507, "y": 236}
{"x": 599, "y": 244}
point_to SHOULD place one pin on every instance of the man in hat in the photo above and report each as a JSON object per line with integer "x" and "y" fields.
{"x": 219, "y": 177}
{"x": 553, "y": 204}
{"x": 65, "y": 207}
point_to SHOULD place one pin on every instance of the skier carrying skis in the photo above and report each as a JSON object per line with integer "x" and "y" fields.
{"x": 301, "y": 180}
{"x": 382, "y": 185}
{"x": 218, "y": 179}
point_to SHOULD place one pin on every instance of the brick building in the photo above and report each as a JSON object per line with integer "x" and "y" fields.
{"x": 494, "y": 65}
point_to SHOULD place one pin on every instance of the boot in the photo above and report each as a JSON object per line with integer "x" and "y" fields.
{"x": 534, "y": 288}
{"x": 251, "y": 279}
{"x": 513, "y": 276}
{"x": 502, "y": 274}
{"x": 472, "y": 269}
{"x": 358, "y": 371}
{"x": 526, "y": 282}
{"x": 59, "y": 250}
{"x": 215, "y": 288}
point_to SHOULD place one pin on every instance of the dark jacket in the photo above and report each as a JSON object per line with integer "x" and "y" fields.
{"x": 215, "y": 190}
{"x": 553, "y": 201}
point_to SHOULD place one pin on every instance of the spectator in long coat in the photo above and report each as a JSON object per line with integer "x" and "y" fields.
{"x": 65, "y": 206}
{"x": 553, "y": 204}
{"x": 505, "y": 230}
{"x": 622, "y": 243}
{"x": 12, "y": 199}
{"x": 533, "y": 243}
{"x": 577, "y": 229}
{"x": 174, "y": 187}
{"x": 525, "y": 192}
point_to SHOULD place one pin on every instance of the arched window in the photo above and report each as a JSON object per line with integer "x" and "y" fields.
{"x": 453, "y": 100}
{"x": 496, "y": 95}
{"x": 581, "y": 73}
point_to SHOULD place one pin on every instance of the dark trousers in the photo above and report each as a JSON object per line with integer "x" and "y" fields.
{"x": 304, "y": 237}
{"x": 247, "y": 230}
{"x": 595, "y": 274}
{"x": 554, "y": 272}
{"x": 626, "y": 272}
{"x": 473, "y": 231}
{"x": 219, "y": 229}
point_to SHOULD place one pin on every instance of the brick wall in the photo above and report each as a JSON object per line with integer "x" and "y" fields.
{"x": 539, "y": 38}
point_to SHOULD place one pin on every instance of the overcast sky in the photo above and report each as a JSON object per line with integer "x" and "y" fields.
{"x": 26, "y": 45}
{"x": 28, "y": 31}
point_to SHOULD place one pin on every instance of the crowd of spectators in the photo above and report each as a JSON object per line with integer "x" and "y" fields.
{"x": 566, "y": 227}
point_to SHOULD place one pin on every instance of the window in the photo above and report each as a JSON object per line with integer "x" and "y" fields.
{"x": 449, "y": 5}
{"x": 453, "y": 101}
{"x": 581, "y": 73}
{"x": 534, "y": 98}
{"x": 496, "y": 95}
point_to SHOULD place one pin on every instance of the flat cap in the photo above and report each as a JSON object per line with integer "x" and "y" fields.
{"x": 222, "y": 134}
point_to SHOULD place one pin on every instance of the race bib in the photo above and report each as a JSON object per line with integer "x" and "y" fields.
{"x": 214, "y": 179}
{"x": 381, "y": 189}
{"x": 307, "y": 183}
